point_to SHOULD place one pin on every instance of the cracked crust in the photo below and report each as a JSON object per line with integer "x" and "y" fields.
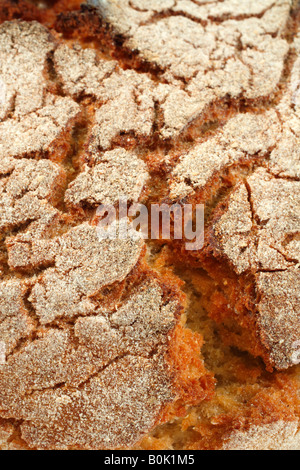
{"x": 279, "y": 316}
{"x": 231, "y": 49}
{"x": 24, "y": 49}
{"x": 268, "y": 228}
{"x": 127, "y": 16}
{"x": 84, "y": 316}
{"x": 83, "y": 265}
{"x": 244, "y": 137}
{"x": 121, "y": 404}
{"x": 132, "y": 342}
{"x": 15, "y": 323}
{"x": 90, "y": 329}
{"x": 82, "y": 71}
{"x": 129, "y": 110}
{"x": 30, "y": 249}
{"x": 132, "y": 111}
{"x": 272, "y": 135}
{"x": 37, "y": 119}
{"x": 285, "y": 158}
{"x": 41, "y": 132}
{"x": 28, "y": 190}
{"x": 257, "y": 231}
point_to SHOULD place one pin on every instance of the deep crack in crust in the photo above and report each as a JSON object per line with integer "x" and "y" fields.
{"x": 163, "y": 359}
{"x": 260, "y": 239}
{"x": 141, "y": 108}
{"x": 255, "y": 231}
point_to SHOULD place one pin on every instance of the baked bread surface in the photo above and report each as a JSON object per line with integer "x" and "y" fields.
{"x": 127, "y": 344}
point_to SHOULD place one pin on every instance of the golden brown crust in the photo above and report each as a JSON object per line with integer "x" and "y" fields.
{"x": 99, "y": 352}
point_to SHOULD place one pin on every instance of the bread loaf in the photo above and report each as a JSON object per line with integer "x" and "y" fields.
{"x": 139, "y": 344}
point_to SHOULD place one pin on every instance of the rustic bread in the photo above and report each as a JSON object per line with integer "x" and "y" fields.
{"x": 126, "y": 344}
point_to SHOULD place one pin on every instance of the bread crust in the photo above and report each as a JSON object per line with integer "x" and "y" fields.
{"x": 112, "y": 344}
{"x": 277, "y": 436}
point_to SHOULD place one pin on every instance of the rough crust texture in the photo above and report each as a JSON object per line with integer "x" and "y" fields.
{"x": 149, "y": 101}
{"x": 243, "y": 137}
{"x": 83, "y": 265}
{"x": 28, "y": 188}
{"x": 86, "y": 371}
{"x": 88, "y": 328}
{"x": 215, "y": 50}
{"x": 130, "y": 111}
{"x": 278, "y": 436}
{"x": 256, "y": 229}
{"x": 273, "y": 134}
{"x": 114, "y": 175}
{"x": 36, "y": 118}
{"x": 15, "y": 321}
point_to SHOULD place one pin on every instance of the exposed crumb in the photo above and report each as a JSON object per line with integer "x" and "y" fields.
{"x": 188, "y": 100}
{"x": 258, "y": 232}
